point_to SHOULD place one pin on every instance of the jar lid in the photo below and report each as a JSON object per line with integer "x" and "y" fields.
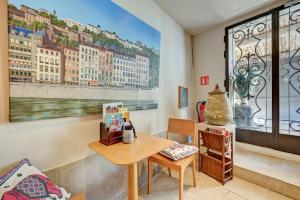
{"x": 216, "y": 90}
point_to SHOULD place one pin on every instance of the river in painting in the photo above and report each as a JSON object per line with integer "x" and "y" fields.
{"x": 29, "y": 109}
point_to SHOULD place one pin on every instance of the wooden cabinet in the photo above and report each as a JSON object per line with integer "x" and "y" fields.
{"x": 216, "y": 154}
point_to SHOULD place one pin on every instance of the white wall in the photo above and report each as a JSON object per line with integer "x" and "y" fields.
{"x": 209, "y": 58}
{"x": 209, "y": 61}
{"x": 52, "y": 143}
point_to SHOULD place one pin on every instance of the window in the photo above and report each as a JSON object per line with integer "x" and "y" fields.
{"x": 263, "y": 78}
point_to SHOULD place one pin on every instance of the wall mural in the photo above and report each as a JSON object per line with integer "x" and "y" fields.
{"x": 67, "y": 59}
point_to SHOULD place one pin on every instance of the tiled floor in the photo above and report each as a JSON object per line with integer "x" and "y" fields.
{"x": 277, "y": 168}
{"x": 166, "y": 188}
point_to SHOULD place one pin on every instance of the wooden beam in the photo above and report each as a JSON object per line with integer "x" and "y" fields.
{"x": 4, "y": 80}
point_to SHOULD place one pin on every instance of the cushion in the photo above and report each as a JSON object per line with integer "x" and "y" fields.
{"x": 178, "y": 151}
{"x": 25, "y": 182}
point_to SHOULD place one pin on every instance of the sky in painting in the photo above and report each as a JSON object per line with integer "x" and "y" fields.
{"x": 105, "y": 13}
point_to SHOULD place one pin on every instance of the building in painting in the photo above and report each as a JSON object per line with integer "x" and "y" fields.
{"x": 142, "y": 64}
{"x": 85, "y": 38}
{"x": 32, "y": 15}
{"x": 16, "y": 14}
{"x": 70, "y": 23}
{"x": 65, "y": 33}
{"x": 69, "y": 55}
{"x": 88, "y": 65}
{"x": 123, "y": 70}
{"x": 22, "y": 54}
{"x": 49, "y": 65}
{"x": 110, "y": 35}
{"x": 105, "y": 67}
{"x": 71, "y": 66}
{"x": 45, "y": 11}
{"x": 130, "y": 45}
{"x": 92, "y": 28}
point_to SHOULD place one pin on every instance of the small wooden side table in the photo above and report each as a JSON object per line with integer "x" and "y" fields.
{"x": 217, "y": 158}
{"x": 129, "y": 154}
{"x": 228, "y": 127}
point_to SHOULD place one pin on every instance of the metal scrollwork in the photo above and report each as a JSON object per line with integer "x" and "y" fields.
{"x": 248, "y": 70}
{"x": 294, "y": 62}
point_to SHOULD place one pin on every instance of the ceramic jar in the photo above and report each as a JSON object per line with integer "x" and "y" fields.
{"x": 218, "y": 110}
{"x": 128, "y": 136}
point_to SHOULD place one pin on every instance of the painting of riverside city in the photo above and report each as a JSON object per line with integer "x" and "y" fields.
{"x": 67, "y": 58}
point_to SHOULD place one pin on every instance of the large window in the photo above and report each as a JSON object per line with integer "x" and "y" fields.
{"x": 289, "y": 68}
{"x": 263, "y": 78}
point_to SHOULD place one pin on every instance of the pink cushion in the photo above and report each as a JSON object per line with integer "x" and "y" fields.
{"x": 25, "y": 182}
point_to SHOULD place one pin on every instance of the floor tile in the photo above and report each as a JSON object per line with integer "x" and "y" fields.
{"x": 246, "y": 189}
{"x": 166, "y": 188}
{"x": 232, "y": 196}
{"x": 275, "y": 196}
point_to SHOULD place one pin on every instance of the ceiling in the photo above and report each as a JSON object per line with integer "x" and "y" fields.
{"x": 199, "y": 15}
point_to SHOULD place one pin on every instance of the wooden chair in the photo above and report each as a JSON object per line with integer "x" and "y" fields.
{"x": 79, "y": 196}
{"x": 183, "y": 127}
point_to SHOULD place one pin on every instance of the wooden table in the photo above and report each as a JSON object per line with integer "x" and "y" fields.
{"x": 129, "y": 154}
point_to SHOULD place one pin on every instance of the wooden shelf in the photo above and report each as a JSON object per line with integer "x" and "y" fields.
{"x": 217, "y": 158}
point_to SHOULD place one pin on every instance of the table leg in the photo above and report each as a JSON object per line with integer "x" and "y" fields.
{"x": 132, "y": 182}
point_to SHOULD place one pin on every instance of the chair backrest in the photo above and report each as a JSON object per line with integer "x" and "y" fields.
{"x": 182, "y": 126}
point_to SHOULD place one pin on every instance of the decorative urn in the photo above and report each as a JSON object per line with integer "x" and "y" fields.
{"x": 218, "y": 110}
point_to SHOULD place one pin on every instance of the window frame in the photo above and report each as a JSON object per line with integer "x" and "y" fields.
{"x": 275, "y": 140}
